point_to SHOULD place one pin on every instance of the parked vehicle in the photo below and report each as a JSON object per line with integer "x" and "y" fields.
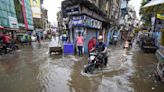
{"x": 114, "y": 40}
{"x": 6, "y": 48}
{"x": 96, "y": 61}
{"x": 147, "y": 43}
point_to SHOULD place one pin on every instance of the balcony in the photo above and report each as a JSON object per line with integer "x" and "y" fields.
{"x": 87, "y": 3}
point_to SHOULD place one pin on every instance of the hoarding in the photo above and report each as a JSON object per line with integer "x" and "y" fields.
{"x": 36, "y": 8}
{"x": 85, "y": 21}
{"x": 13, "y": 22}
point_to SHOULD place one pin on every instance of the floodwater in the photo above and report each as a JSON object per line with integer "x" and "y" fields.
{"x": 32, "y": 69}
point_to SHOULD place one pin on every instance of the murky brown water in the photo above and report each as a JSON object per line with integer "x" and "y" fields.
{"x": 32, "y": 70}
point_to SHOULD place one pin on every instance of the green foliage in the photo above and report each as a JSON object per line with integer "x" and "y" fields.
{"x": 137, "y": 30}
{"x": 65, "y": 32}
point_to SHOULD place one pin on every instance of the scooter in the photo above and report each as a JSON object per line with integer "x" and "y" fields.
{"x": 96, "y": 61}
{"x": 6, "y": 48}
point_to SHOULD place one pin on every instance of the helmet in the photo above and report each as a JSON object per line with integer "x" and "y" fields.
{"x": 100, "y": 37}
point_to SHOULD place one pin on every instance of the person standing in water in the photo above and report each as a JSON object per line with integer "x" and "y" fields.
{"x": 80, "y": 43}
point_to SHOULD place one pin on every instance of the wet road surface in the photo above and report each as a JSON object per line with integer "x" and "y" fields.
{"x": 32, "y": 69}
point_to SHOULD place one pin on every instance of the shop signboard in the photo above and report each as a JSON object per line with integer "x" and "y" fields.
{"x": 85, "y": 21}
{"x": 30, "y": 27}
{"x": 36, "y": 8}
{"x": 90, "y": 22}
{"x": 13, "y": 22}
{"x": 160, "y": 16}
{"x": 74, "y": 10}
{"x": 76, "y": 21}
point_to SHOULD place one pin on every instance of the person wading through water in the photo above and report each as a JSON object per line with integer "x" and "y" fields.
{"x": 80, "y": 43}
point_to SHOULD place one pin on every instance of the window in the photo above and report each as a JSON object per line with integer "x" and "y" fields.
{"x": 1, "y": 15}
{"x": 5, "y": 15}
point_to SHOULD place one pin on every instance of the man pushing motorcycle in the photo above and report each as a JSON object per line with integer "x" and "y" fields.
{"x": 101, "y": 48}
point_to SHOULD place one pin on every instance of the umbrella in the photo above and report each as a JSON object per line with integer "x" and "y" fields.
{"x": 153, "y": 3}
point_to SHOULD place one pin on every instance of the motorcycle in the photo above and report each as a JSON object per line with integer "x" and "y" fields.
{"x": 96, "y": 61}
{"x": 6, "y": 48}
{"x": 114, "y": 40}
{"x": 12, "y": 47}
{"x": 2, "y": 49}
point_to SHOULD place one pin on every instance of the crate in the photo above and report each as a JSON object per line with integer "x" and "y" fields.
{"x": 68, "y": 48}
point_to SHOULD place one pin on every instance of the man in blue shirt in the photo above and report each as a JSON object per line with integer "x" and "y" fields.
{"x": 101, "y": 48}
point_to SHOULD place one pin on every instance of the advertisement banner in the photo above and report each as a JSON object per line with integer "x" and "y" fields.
{"x": 36, "y": 8}
{"x": 13, "y": 22}
{"x": 85, "y": 21}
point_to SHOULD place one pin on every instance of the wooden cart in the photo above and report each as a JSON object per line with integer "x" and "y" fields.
{"x": 56, "y": 50}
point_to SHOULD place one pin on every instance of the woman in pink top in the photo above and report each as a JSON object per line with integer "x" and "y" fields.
{"x": 80, "y": 43}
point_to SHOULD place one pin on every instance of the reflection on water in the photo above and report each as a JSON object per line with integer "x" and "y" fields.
{"x": 32, "y": 69}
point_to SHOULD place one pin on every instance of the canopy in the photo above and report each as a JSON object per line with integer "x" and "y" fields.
{"x": 1, "y": 27}
{"x": 153, "y": 3}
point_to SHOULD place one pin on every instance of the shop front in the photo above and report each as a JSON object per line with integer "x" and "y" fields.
{"x": 88, "y": 27}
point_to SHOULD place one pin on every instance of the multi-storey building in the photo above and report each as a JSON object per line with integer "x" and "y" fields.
{"x": 28, "y": 14}
{"x": 88, "y": 17}
{"x": 24, "y": 15}
{"x": 8, "y": 19}
{"x": 60, "y": 22}
{"x": 39, "y": 18}
{"x": 45, "y": 19}
{"x": 105, "y": 13}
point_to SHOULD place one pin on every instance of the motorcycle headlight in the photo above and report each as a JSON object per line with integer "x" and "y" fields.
{"x": 92, "y": 57}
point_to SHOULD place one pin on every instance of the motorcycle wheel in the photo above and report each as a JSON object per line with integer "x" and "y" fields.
{"x": 2, "y": 51}
{"x": 90, "y": 69}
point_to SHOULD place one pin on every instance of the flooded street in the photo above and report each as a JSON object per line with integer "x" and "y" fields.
{"x": 32, "y": 69}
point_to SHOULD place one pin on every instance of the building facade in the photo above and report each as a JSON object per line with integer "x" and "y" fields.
{"x": 28, "y": 15}
{"x": 45, "y": 19}
{"x": 108, "y": 14}
{"x": 87, "y": 17}
{"x": 8, "y": 19}
{"x": 24, "y": 16}
{"x": 60, "y": 22}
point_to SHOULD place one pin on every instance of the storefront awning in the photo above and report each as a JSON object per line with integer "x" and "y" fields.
{"x": 11, "y": 29}
{"x": 153, "y": 3}
{"x": 1, "y": 27}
